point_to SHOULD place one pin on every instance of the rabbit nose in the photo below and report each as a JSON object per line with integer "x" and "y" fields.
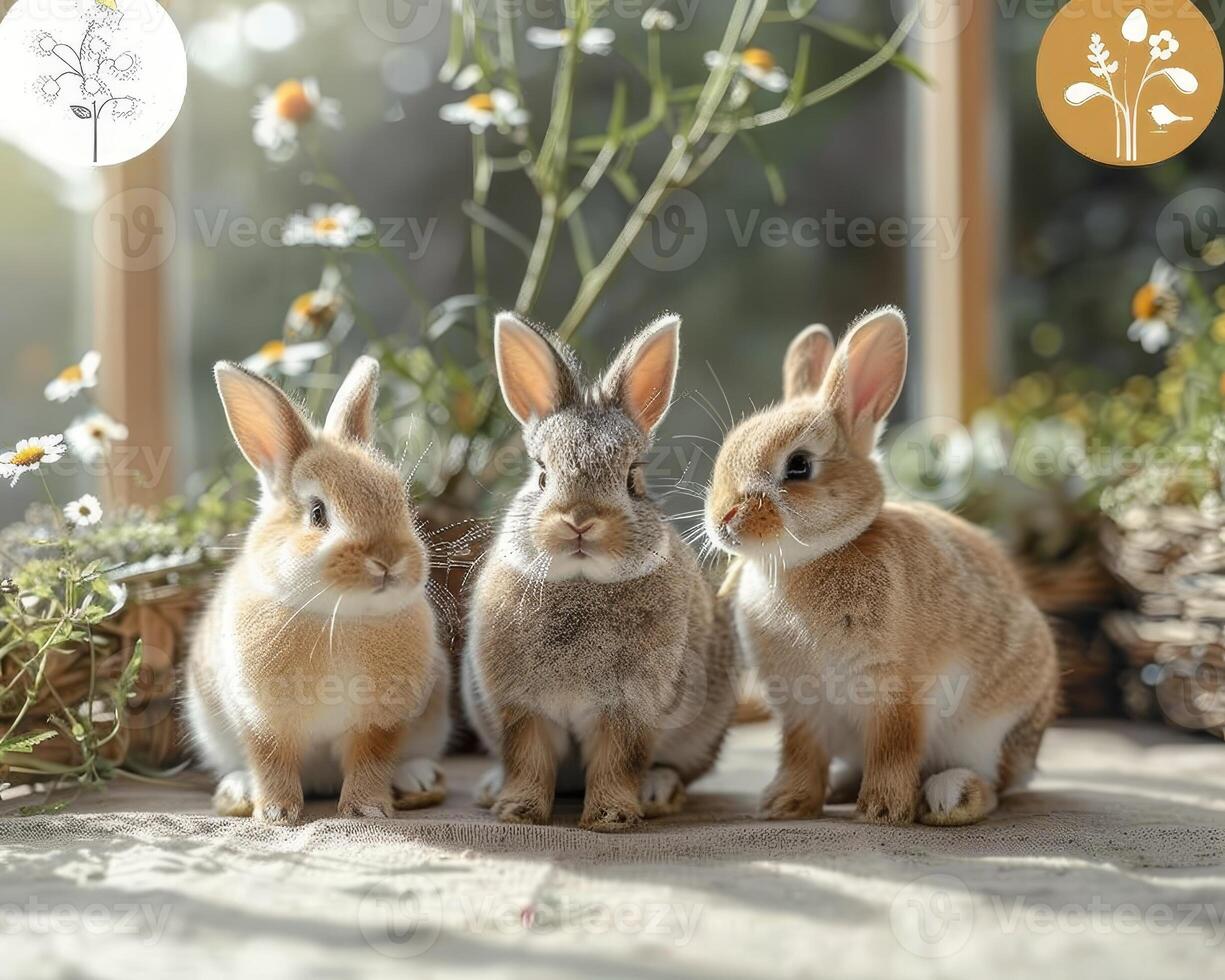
{"x": 379, "y": 571}
{"x": 579, "y": 529}
{"x": 730, "y": 516}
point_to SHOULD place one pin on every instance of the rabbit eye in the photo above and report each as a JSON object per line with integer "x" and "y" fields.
{"x": 799, "y": 467}
{"x": 318, "y": 513}
{"x": 542, "y": 480}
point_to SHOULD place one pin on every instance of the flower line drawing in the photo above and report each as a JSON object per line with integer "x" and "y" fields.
{"x": 1162, "y": 46}
{"x": 94, "y": 70}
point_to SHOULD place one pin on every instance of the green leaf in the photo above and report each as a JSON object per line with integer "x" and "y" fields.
{"x": 131, "y": 671}
{"x": 24, "y": 743}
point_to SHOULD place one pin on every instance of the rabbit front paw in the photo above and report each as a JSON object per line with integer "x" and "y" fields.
{"x": 515, "y": 809}
{"x": 889, "y": 804}
{"x": 611, "y": 818}
{"x": 787, "y": 801}
{"x": 356, "y": 807}
{"x": 281, "y": 812}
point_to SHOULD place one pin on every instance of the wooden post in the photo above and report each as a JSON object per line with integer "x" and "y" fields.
{"x": 957, "y": 292}
{"x": 134, "y": 234}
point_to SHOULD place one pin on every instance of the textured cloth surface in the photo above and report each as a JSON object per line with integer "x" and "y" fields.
{"x": 1112, "y": 863}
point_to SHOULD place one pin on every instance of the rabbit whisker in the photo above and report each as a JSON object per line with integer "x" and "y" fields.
{"x": 332, "y": 630}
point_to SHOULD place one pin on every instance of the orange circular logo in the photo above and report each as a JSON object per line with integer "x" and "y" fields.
{"x": 1129, "y": 82}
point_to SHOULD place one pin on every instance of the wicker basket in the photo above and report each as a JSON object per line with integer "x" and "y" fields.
{"x": 158, "y": 612}
{"x": 1171, "y": 563}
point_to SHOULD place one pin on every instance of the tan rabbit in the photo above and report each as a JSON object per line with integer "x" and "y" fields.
{"x": 597, "y": 652}
{"x": 895, "y": 638}
{"x": 316, "y": 664}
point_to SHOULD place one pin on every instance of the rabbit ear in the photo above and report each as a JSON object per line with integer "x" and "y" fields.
{"x": 643, "y": 375}
{"x": 866, "y": 377}
{"x": 267, "y": 426}
{"x": 807, "y": 360}
{"x": 352, "y": 413}
{"x": 536, "y": 380}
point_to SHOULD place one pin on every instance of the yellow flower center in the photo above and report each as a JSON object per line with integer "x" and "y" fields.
{"x": 29, "y": 456}
{"x": 292, "y": 103}
{"x": 274, "y": 350}
{"x": 324, "y": 226}
{"x": 481, "y": 102}
{"x": 72, "y": 374}
{"x": 758, "y": 58}
{"x": 1143, "y": 304}
{"x": 84, "y": 510}
{"x": 314, "y": 308}
{"x": 97, "y": 432}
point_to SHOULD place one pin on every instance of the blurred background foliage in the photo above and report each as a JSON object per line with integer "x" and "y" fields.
{"x": 1077, "y": 238}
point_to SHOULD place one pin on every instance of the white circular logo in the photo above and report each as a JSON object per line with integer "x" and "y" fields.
{"x": 932, "y": 459}
{"x": 90, "y": 82}
{"x": 933, "y": 916}
{"x": 135, "y": 229}
{"x": 401, "y": 920}
{"x": 675, "y": 237}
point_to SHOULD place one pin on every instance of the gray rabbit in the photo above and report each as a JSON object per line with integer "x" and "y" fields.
{"x": 596, "y": 645}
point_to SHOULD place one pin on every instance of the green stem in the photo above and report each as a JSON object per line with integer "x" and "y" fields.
{"x": 741, "y": 24}
{"x": 842, "y": 82}
{"x": 542, "y": 251}
{"x": 482, "y": 174}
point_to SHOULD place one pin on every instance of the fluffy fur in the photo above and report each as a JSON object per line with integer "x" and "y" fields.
{"x": 315, "y": 665}
{"x": 897, "y": 639}
{"x": 597, "y": 653}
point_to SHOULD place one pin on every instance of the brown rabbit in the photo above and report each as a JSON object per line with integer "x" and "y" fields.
{"x": 316, "y": 662}
{"x": 895, "y": 638}
{"x": 597, "y": 653}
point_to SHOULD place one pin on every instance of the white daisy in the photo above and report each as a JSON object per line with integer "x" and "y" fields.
{"x": 467, "y": 77}
{"x": 288, "y": 359}
{"x": 1155, "y": 306}
{"x": 755, "y": 64}
{"x": 92, "y": 85}
{"x": 29, "y": 455}
{"x": 84, "y": 512}
{"x": 337, "y": 226}
{"x": 320, "y": 313}
{"x": 658, "y": 20}
{"x": 90, "y": 438}
{"x": 283, "y": 111}
{"x": 478, "y": 112}
{"x": 594, "y": 40}
{"x": 73, "y": 380}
